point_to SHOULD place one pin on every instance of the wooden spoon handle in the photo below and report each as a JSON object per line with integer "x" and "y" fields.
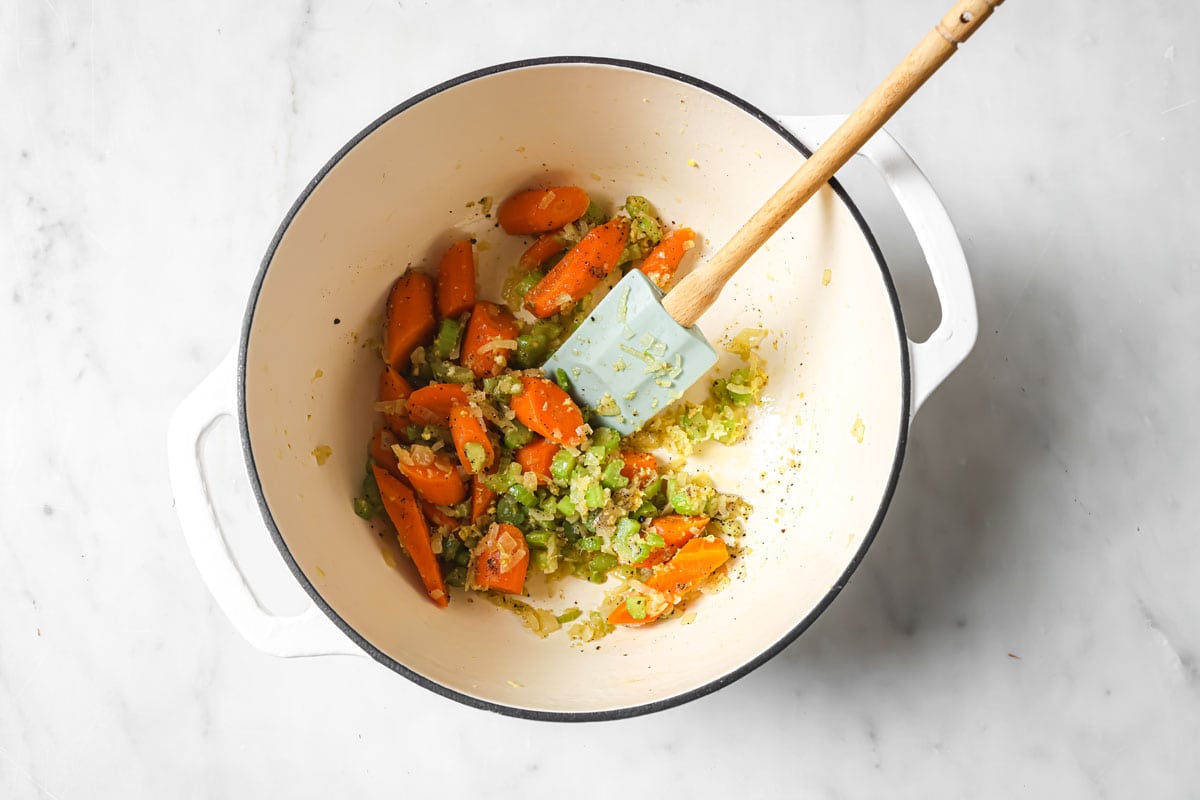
{"x": 699, "y": 289}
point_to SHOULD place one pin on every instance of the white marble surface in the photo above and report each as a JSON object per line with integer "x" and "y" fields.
{"x": 1027, "y": 622}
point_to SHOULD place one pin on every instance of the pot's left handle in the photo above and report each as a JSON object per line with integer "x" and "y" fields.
{"x": 310, "y": 633}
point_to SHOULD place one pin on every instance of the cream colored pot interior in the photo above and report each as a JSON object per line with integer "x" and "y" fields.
{"x": 816, "y": 467}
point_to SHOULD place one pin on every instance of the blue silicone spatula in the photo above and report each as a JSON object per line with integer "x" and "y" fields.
{"x": 638, "y": 351}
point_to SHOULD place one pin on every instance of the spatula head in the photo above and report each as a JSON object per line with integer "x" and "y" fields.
{"x": 629, "y": 359}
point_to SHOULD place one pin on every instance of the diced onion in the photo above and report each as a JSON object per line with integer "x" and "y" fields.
{"x": 497, "y": 344}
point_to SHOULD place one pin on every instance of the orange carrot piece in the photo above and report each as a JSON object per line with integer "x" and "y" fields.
{"x": 640, "y": 468}
{"x": 381, "y": 452}
{"x": 541, "y": 210}
{"x": 536, "y": 457}
{"x": 431, "y": 405}
{"x": 489, "y": 324}
{"x": 439, "y": 518}
{"x": 456, "y": 280}
{"x": 664, "y": 259}
{"x": 408, "y": 318}
{"x": 410, "y": 524}
{"x": 543, "y": 407}
{"x": 501, "y": 560}
{"x": 580, "y": 270}
{"x": 676, "y": 530}
{"x": 694, "y": 562}
{"x": 392, "y": 386}
{"x": 467, "y": 428}
{"x": 437, "y": 481}
{"x": 481, "y": 498}
{"x": 548, "y": 244}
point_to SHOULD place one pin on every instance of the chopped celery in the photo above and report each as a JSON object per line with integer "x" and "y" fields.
{"x": 517, "y": 436}
{"x": 538, "y": 538}
{"x": 605, "y": 440}
{"x": 363, "y": 509}
{"x": 540, "y": 560}
{"x": 628, "y": 542}
{"x": 449, "y": 372}
{"x": 531, "y": 351}
{"x": 476, "y": 456}
{"x": 612, "y": 477}
{"x": 645, "y": 220}
{"x": 594, "y": 216}
{"x": 522, "y": 495}
{"x": 570, "y": 615}
{"x": 370, "y": 504}
{"x": 445, "y": 344}
{"x": 590, "y": 544}
{"x": 594, "y": 495}
{"x": 635, "y": 604}
{"x": 546, "y": 330}
{"x": 527, "y": 282}
{"x": 652, "y": 489}
{"x": 627, "y": 527}
{"x": 646, "y": 509}
{"x": 561, "y": 466}
{"x": 562, "y": 379}
{"x": 690, "y": 498}
{"x": 565, "y": 506}
{"x": 602, "y": 562}
{"x": 510, "y": 511}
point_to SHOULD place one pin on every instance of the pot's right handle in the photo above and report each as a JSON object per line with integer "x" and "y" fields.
{"x": 310, "y": 633}
{"x": 936, "y": 357}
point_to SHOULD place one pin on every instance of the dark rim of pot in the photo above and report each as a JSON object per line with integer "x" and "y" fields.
{"x": 573, "y": 716}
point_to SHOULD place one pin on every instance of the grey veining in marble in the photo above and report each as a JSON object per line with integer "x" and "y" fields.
{"x": 1027, "y": 623}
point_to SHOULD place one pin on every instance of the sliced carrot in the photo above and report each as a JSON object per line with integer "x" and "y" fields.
{"x": 536, "y": 457}
{"x": 664, "y": 259}
{"x": 580, "y": 270}
{"x": 439, "y": 518}
{"x": 695, "y": 561}
{"x": 436, "y": 480}
{"x": 467, "y": 428}
{"x": 672, "y": 581}
{"x": 640, "y": 468}
{"x": 456, "y": 280}
{"x": 676, "y": 530}
{"x": 392, "y": 386}
{"x": 548, "y": 244}
{"x": 380, "y": 450}
{"x": 408, "y": 321}
{"x": 410, "y": 524}
{"x": 541, "y": 210}
{"x": 481, "y": 498}
{"x": 430, "y": 405}
{"x": 543, "y": 407}
{"x": 489, "y": 324}
{"x": 501, "y": 560}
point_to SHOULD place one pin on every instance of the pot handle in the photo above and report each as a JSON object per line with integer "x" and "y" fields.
{"x": 310, "y": 633}
{"x": 948, "y": 346}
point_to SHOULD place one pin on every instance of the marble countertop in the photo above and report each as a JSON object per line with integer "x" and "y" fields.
{"x": 1026, "y": 623}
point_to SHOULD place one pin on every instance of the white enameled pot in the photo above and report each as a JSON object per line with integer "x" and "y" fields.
{"x": 819, "y": 465}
